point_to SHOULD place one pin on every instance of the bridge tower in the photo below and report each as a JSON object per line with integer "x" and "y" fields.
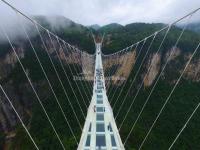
{"x": 100, "y": 131}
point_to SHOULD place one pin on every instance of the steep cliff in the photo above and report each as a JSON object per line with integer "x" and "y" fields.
{"x": 117, "y": 66}
{"x": 153, "y": 68}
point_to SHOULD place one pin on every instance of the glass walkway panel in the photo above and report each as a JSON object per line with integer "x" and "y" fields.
{"x": 100, "y": 131}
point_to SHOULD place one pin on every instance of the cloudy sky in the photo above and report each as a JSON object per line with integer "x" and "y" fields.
{"x": 103, "y": 12}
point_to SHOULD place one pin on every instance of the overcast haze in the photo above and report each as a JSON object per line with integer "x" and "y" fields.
{"x": 103, "y": 12}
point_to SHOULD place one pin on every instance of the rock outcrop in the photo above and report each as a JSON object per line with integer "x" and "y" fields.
{"x": 119, "y": 67}
{"x": 153, "y": 68}
{"x": 193, "y": 71}
{"x": 172, "y": 54}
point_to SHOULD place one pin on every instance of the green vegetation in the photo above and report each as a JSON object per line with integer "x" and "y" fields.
{"x": 132, "y": 33}
{"x": 180, "y": 106}
{"x": 194, "y": 27}
{"x": 40, "y": 128}
{"x": 4, "y": 49}
{"x": 75, "y": 34}
{"x": 2, "y": 136}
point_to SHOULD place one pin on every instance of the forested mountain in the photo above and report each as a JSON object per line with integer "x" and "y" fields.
{"x": 76, "y": 34}
{"x": 117, "y": 37}
{"x": 194, "y": 27}
{"x": 185, "y": 97}
{"x": 95, "y": 27}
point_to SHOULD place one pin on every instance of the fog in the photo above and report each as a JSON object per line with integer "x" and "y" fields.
{"x": 102, "y": 12}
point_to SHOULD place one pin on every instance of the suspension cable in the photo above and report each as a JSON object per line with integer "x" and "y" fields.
{"x": 111, "y": 73}
{"x": 124, "y": 56}
{"x": 90, "y": 87}
{"x": 71, "y": 72}
{"x": 172, "y": 91}
{"x": 177, "y": 41}
{"x": 131, "y": 71}
{"x": 184, "y": 126}
{"x": 154, "y": 84}
{"x": 134, "y": 76}
{"x": 34, "y": 21}
{"x": 31, "y": 84}
{"x": 162, "y": 42}
{"x": 136, "y": 93}
{"x": 18, "y": 116}
{"x": 62, "y": 65}
{"x": 76, "y": 71}
{"x": 160, "y": 30}
{"x": 133, "y": 81}
{"x": 58, "y": 76}
{"x": 62, "y": 47}
{"x": 45, "y": 74}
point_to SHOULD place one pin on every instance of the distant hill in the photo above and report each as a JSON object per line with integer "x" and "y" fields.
{"x": 194, "y": 27}
{"x": 59, "y": 23}
{"x": 72, "y": 32}
{"x": 111, "y": 27}
{"x": 117, "y": 37}
{"x": 95, "y": 27}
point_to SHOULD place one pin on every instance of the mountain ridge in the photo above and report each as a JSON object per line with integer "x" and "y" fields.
{"x": 117, "y": 37}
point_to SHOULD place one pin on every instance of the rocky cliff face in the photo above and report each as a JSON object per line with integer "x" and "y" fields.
{"x": 153, "y": 68}
{"x": 154, "y": 64}
{"x": 9, "y": 60}
{"x": 119, "y": 67}
{"x": 20, "y": 99}
{"x": 8, "y": 118}
{"x": 193, "y": 71}
{"x": 87, "y": 63}
{"x": 172, "y": 54}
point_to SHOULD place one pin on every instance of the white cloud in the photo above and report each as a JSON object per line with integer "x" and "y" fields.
{"x": 106, "y": 11}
